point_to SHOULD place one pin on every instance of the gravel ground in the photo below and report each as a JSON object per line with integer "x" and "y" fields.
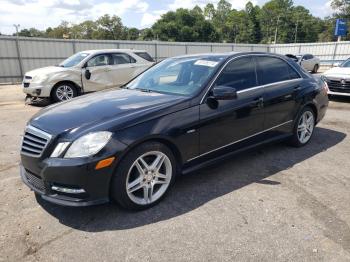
{"x": 272, "y": 204}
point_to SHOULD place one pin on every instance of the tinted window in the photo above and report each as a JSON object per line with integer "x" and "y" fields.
{"x": 74, "y": 60}
{"x": 99, "y": 60}
{"x": 118, "y": 59}
{"x": 272, "y": 69}
{"x": 346, "y": 63}
{"x": 145, "y": 56}
{"x": 239, "y": 74}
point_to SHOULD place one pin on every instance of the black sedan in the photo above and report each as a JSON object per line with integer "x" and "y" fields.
{"x": 184, "y": 113}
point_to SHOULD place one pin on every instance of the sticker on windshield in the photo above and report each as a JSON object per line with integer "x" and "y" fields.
{"x": 206, "y": 63}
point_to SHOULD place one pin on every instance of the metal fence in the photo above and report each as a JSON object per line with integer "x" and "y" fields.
{"x": 19, "y": 55}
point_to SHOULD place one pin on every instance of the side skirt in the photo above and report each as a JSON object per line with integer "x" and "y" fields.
{"x": 229, "y": 154}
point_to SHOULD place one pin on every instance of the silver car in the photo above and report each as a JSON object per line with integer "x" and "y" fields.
{"x": 307, "y": 61}
{"x": 86, "y": 71}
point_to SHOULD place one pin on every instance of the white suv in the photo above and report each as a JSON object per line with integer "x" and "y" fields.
{"x": 86, "y": 71}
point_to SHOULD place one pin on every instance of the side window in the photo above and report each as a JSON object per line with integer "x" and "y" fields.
{"x": 99, "y": 60}
{"x": 120, "y": 58}
{"x": 272, "y": 69}
{"x": 239, "y": 74}
{"x": 145, "y": 56}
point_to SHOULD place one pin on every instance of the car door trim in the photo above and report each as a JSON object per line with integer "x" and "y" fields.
{"x": 254, "y": 87}
{"x": 240, "y": 140}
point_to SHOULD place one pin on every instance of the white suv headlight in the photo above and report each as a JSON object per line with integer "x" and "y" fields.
{"x": 88, "y": 145}
{"x": 39, "y": 78}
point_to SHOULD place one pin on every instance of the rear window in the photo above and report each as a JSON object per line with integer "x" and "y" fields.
{"x": 145, "y": 56}
{"x": 272, "y": 70}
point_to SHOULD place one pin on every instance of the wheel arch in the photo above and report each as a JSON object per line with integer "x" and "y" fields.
{"x": 160, "y": 139}
{"x": 312, "y": 106}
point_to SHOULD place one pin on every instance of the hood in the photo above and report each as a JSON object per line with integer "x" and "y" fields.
{"x": 106, "y": 110}
{"x": 338, "y": 71}
{"x": 46, "y": 70}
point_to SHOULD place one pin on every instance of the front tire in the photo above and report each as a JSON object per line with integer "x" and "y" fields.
{"x": 315, "y": 69}
{"x": 63, "y": 91}
{"x": 144, "y": 176}
{"x": 303, "y": 128}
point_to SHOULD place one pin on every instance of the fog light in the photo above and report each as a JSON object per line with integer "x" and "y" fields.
{"x": 38, "y": 92}
{"x": 68, "y": 190}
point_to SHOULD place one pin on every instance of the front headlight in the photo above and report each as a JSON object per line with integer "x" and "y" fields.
{"x": 324, "y": 78}
{"x": 39, "y": 78}
{"x": 88, "y": 145}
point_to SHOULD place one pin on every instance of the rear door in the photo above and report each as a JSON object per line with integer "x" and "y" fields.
{"x": 95, "y": 75}
{"x": 282, "y": 83}
{"x": 233, "y": 120}
{"x": 124, "y": 68}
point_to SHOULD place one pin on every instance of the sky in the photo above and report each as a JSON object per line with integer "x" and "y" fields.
{"x": 134, "y": 13}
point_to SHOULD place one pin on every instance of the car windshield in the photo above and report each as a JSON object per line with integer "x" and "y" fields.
{"x": 74, "y": 59}
{"x": 346, "y": 63}
{"x": 182, "y": 76}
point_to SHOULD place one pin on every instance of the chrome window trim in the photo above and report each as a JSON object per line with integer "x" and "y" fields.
{"x": 254, "y": 87}
{"x": 240, "y": 140}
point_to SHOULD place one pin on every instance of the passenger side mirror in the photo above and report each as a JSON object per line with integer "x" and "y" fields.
{"x": 87, "y": 74}
{"x": 224, "y": 93}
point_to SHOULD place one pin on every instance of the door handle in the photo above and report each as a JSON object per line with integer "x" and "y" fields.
{"x": 297, "y": 88}
{"x": 259, "y": 102}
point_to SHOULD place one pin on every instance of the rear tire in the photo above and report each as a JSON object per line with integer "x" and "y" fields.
{"x": 63, "y": 92}
{"x": 139, "y": 182}
{"x": 303, "y": 128}
{"x": 315, "y": 70}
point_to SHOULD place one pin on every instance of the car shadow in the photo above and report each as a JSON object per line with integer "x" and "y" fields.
{"x": 198, "y": 188}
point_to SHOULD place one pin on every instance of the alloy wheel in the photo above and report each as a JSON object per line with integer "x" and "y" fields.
{"x": 64, "y": 92}
{"x": 149, "y": 177}
{"x": 306, "y": 127}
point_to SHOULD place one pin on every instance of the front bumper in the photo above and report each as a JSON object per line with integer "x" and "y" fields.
{"x": 72, "y": 174}
{"x": 338, "y": 93}
{"x": 36, "y": 89}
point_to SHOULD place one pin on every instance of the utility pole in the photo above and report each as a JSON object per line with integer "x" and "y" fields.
{"x": 296, "y": 31}
{"x": 17, "y": 26}
{"x": 278, "y": 20}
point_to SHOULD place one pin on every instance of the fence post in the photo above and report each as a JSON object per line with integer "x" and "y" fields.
{"x": 186, "y": 51}
{"x": 300, "y": 49}
{"x": 156, "y": 51}
{"x": 74, "y": 47}
{"x": 211, "y": 48}
{"x": 233, "y": 48}
{"x": 19, "y": 56}
{"x": 335, "y": 52}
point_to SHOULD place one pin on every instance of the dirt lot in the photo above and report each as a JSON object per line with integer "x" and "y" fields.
{"x": 273, "y": 204}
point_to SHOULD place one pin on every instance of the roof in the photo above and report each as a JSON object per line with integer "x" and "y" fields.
{"x": 112, "y": 50}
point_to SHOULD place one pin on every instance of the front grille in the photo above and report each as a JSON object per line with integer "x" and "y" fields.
{"x": 34, "y": 141}
{"x": 35, "y": 181}
{"x": 342, "y": 86}
{"x": 26, "y": 84}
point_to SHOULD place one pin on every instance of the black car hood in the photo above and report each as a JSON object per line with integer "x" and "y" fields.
{"x": 112, "y": 109}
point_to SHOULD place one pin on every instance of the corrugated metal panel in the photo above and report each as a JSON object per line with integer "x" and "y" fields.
{"x": 169, "y": 50}
{"x": 222, "y": 48}
{"x": 195, "y": 49}
{"x": 9, "y": 67}
{"x": 82, "y": 46}
{"x": 8, "y": 48}
{"x": 45, "y": 48}
{"x": 30, "y": 64}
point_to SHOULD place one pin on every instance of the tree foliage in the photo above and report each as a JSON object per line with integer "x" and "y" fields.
{"x": 276, "y": 20}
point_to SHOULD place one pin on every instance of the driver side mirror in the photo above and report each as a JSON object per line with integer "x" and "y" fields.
{"x": 87, "y": 74}
{"x": 224, "y": 93}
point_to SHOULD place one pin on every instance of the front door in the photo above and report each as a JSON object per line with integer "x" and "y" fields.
{"x": 97, "y": 73}
{"x": 236, "y": 120}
